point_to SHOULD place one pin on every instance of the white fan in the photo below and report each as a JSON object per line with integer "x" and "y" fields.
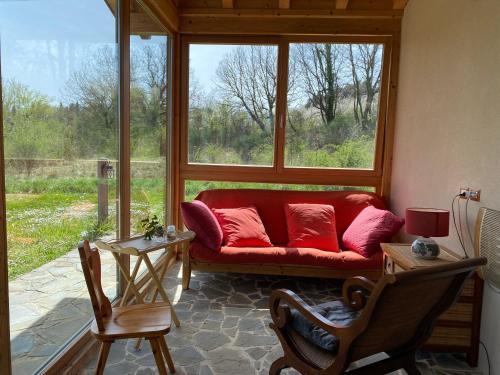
{"x": 488, "y": 244}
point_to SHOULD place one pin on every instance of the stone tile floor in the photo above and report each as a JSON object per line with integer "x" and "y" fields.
{"x": 225, "y": 328}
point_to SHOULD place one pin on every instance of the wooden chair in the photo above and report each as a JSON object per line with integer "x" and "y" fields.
{"x": 150, "y": 321}
{"x": 396, "y": 316}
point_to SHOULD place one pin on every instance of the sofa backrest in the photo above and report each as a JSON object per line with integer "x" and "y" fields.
{"x": 270, "y": 205}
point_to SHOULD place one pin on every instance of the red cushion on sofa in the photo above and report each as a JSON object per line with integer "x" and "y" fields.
{"x": 311, "y": 225}
{"x": 242, "y": 227}
{"x": 201, "y": 220}
{"x": 270, "y": 203}
{"x": 371, "y": 227}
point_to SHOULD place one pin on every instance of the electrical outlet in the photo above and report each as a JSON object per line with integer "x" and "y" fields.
{"x": 469, "y": 193}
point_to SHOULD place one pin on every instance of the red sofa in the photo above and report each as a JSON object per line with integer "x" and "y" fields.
{"x": 281, "y": 260}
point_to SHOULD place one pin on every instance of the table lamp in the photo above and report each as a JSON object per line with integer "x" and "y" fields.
{"x": 426, "y": 223}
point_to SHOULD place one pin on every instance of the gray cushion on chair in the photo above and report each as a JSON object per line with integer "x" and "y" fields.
{"x": 336, "y": 312}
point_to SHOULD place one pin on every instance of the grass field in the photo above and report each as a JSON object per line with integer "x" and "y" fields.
{"x": 47, "y": 217}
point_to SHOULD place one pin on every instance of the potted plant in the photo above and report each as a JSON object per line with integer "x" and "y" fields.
{"x": 152, "y": 227}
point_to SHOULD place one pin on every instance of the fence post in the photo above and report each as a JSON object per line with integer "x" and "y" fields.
{"x": 102, "y": 190}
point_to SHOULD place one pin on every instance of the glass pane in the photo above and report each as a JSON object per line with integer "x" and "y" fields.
{"x": 149, "y": 118}
{"x": 149, "y": 123}
{"x": 333, "y": 101}
{"x": 192, "y": 188}
{"x": 232, "y": 104}
{"x": 59, "y": 92}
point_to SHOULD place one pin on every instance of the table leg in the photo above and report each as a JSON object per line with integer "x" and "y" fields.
{"x": 163, "y": 271}
{"x": 132, "y": 280}
{"x": 162, "y": 291}
{"x": 128, "y": 279}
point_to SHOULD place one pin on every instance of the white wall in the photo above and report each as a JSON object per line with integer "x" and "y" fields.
{"x": 448, "y": 119}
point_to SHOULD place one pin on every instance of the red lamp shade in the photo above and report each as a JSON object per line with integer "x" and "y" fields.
{"x": 427, "y": 222}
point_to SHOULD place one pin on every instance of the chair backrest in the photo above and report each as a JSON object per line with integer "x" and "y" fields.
{"x": 404, "y": 307}
{"x": 91, "y": 266}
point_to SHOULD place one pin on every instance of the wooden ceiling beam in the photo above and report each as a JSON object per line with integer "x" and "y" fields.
{"x": 227, "y": 4}
{"x": 288, "y": 26}
{"x": 284, "y": 4}
{"x": 288, "y": 13}
{"x": 162, "y": 11}
{"x": 341, "y": 4}
{"x": 142, "y": 24}
{"x": 399, "y": 4}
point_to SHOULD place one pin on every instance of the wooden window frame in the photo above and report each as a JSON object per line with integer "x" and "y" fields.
{"x": 377, "y": 177}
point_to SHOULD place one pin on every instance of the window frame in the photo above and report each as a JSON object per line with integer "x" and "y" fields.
{"x": 278, "y": 172}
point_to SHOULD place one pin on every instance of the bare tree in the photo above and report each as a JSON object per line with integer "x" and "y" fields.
{"x": 320, "y": 67}
{"x": 365, "y": 66}
{"x": 248, "y": 78}
{"x": 150, "y": 74}
{"x": 94, "y": 86}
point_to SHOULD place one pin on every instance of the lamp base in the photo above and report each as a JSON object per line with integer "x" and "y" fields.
{"x": 425, "y": 248}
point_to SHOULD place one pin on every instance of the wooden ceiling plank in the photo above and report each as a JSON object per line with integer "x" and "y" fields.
{"x": 284, "y": 4}
{"x": 399, "y": 4}
{"x": 289, "y": 13}
{"x": 227, "y": 4}
{"x": 341, "y": 4}
{"x": 288, "y": 26}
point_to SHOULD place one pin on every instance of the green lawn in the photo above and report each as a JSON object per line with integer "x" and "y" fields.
{"x": 46, "y": 218}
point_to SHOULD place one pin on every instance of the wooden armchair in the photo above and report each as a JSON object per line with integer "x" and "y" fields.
{"x": 151, "y": 321}
{"x": 396, "y": 316}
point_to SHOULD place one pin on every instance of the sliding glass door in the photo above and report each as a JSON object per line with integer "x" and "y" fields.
{"x": 60, "y": 80}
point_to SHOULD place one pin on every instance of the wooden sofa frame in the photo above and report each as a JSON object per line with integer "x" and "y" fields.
{"x": 189, "y": 265}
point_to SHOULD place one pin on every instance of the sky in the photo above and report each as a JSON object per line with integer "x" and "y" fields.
{"x": 204, "y": 60}
{"x": 43, "y": 43}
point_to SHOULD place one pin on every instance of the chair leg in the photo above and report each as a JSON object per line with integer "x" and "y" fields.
{"x": 155, "y": 346}
{"x": 103, "y": 357}
{"x": 166, "y": 354}
{"x": 277, "y": 366}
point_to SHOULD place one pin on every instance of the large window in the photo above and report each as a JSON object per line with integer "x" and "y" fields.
{"x": 333, "y": 101}
{"x": 232, "y": 104}
{"x": 286, "y": 110}
{"x": 59, "y": 71}
{"x": 67, "y": 151}
{"x": 149, "y": 119}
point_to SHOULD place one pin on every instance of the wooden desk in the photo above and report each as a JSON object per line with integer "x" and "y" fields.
{"x": 458, "y": 328}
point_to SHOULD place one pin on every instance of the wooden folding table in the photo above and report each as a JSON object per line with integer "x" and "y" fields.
{"x": 140, "y": 247}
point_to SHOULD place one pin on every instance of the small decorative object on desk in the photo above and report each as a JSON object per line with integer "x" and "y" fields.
{"x": 427, "y": 222}
{"x": 171, "y": 232}
{"x": 152, "y": 227}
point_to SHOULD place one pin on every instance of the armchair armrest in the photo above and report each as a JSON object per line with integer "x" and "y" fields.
{"x": 356, "y": 291}
{"x": 281, "y": 315}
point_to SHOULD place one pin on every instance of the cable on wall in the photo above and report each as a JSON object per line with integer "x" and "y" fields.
{"x": 460, "y": 239}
